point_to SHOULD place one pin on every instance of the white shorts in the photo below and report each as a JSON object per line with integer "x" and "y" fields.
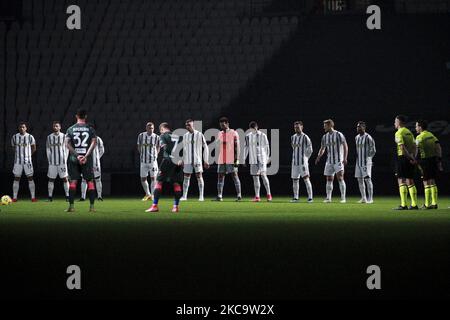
{"x": 332, "y": 168}
{"x": 149, "y": 169}
{"x": 97, "y": 172}
{"x": 298, "y": 172}
{"x": 226, "y": 168}
{"x": 257, "y": 169}
{"x": 362, "y": 172}
{"x": 189, "y": 168}
{"x": 54, "y": 171}
{"x": 18, "y": 169}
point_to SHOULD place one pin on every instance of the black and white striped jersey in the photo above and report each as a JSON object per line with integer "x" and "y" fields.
{"x": 22, "y": 147}
{"x": 333, "y": 142}
{"x": 57, "y": 151}
{"x": 98, "y": 152}
{"x": 301, "y": 149}
{"x": 148, "y": 145}
{"x": 365, "y": 149}
{"x": 256, "y": 148}
{"x": 195, "y": 149}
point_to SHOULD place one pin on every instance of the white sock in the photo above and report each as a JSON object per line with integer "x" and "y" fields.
{"x": 152, "y": 185}
{"x": 83, "y": 188}
{"x": 146, "y": 187}
{"x": 99, "y": 187}
{"x": 237, "y": 185}
{"x": 32, "y": 188}
{"x": 369, "y": 184}
{"x": 16, "y": 185}
{"x": 257, "y": 185}
{"x": 220, "y": 183}
{"x": 50, "y": 187}
{"x": 329, "y": 189}
{"x": 295, "y": 187}
{"x": 201, "y": 187}
{"x": 266, "y": 183}
{"x": 186, "y": 182}
{"x": 308, "y": 186}
{"x": 343, "y": 188}
{"x": 362, "y": 188}
{"x": 66, "y": 187}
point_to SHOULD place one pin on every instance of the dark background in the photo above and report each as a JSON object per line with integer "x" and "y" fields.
{"x": 270, "y": 61}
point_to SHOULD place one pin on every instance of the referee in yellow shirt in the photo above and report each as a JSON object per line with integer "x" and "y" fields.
{"x": 429, "y": 153}
{"x": 406, "y": 164}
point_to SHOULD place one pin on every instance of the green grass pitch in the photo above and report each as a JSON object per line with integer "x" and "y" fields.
{"x": 225, "y": 250}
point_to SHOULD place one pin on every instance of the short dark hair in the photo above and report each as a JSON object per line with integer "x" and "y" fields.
{"x": 401, "y": 118}
{"x": 423, "y": 124}
{"x": 189, "y": 120}
{"x": 82, "y": 113}
{"x": 223, "y": 119}
{"x": 22, "y": 123}
{"x": 56, "y": 122}
{"x": 150, "y": 124}
{"x": 298, "y": 122}
{"x": 253, "y": 124}
{"x": 164, "y": 125}
{"x": 329, "y": 122}
{"x": 361, "y": 123}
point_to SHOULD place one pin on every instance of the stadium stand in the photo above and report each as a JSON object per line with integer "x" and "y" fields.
{"x": 134, "y": 61}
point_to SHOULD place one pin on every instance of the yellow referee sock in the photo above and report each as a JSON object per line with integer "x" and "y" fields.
{"x": 403, "y": 194}
{"x": 413, "y": 195}
{"x": 434, "y": 195}
{"x": 428, "y": 196}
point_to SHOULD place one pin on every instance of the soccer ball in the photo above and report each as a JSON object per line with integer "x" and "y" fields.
{"x": 6, "y": 200}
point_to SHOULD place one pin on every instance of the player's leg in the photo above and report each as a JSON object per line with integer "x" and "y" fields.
{"x": 50, "y": 188}
{"x": 177, "y": 191}
{"x": 220, "y": 181}
{"x": 237, "y": 184}
{"x": 186, "y": 182}
{"x": 84, "y": 187}
{"x": 403, "y": 191}
{"x": 295, "y": 176}
{"x": 92, "y": 194}
{"x": 99, "y": 187}
{"x": 257, "y": 187}
{"x": 263, "y": 171}
{"x": 17, "y": 172}
{"x": 339, "y": 169}
{"x": 362, "y": 190}
{"x": 201, "y": 186}
{"x": 157, "y": 191}
{"x": 74, "y": 171}
{"x": 309, "y": 189}
{"x": 369, "y": 186}
{"x": 28, "y": 168}
{"x": 295, "y": 189}
{"x": 62, "y": 171}
{"x": 427, "y": 191}
{"x": 66, "y": 186}
{"x": 412, "y": 193}
{"x": 153, "y": 174}
{"x": 362, "y": 187}
{"x": 72, "y": 192}
{"x": 87, "y": 171}
{"x": 329, "y": 187}
{"x": 51, "y": 174}
{"x": 144, "y": 171}
{"x": 434, "y": 193}
{"x": 16, "y": 185}
{"x": 328, "y": 172}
